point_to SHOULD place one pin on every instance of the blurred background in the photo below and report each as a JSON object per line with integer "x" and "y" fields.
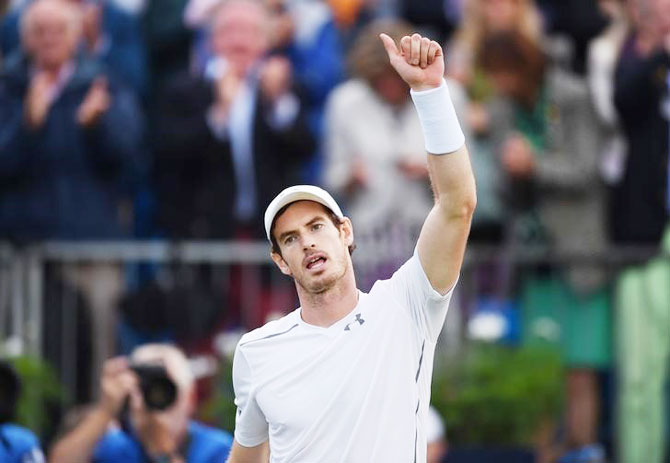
{"x": 140, "y": 141}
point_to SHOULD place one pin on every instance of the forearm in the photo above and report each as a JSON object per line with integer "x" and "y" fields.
{"x": 443, "y": 238}
{"x": 448, "y": 160}
{"x": 79, "y": 444}
{"x": 453, "y": 184}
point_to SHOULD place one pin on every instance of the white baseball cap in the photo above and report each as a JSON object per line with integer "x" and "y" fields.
{"x": 299, "y": 193}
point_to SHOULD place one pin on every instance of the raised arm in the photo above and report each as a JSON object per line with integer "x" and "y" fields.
{"x": 420, "y": 62}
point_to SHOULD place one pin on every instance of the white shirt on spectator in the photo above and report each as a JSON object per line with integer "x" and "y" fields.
{"x": 357, "y": 391}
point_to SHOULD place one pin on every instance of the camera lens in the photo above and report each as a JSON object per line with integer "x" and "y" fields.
{"x": 159, "y": 394}
{"x": 158, "y": 389}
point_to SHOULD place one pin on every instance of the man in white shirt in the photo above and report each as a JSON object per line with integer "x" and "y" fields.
{"x": 346, "y": 376}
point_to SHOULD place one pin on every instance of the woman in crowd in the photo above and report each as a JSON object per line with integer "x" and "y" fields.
{"x": 544, "y": 130}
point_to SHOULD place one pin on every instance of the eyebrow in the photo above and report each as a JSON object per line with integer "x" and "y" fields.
{"x": 290, "y": 232}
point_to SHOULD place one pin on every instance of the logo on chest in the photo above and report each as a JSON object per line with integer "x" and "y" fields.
{"x": 354, "y": 324}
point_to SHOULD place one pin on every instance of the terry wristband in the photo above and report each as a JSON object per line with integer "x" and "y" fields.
{"x": 441, "y": 131}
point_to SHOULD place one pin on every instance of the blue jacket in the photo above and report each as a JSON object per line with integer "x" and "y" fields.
{"x": 63, "y": 181}
{"x": 205, "y": 445}
{"x": 123, "y": 51}
{"x": 18, "y": 445}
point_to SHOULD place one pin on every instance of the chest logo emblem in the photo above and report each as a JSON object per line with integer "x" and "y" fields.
{"x": 358, "y": 320}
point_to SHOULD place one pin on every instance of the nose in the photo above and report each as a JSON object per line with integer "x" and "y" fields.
{"x": 308, "y": 243}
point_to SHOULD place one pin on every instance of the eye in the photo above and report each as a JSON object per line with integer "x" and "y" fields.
{"x": 317, "y": 226}
{"x": 289, "y": 239}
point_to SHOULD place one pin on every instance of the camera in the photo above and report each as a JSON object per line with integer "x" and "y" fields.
{"x": 158, "y": 389}
{"x": 10, "y": 388}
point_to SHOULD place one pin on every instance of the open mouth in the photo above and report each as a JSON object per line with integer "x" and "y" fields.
{"x": 316, "y": 262}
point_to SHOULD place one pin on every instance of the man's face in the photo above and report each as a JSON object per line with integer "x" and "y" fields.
{"x": 51, "y": 36}
{"x": 172, "y": 421}
{"x": 314, "y": 251}
{"x": 240, "y": 34}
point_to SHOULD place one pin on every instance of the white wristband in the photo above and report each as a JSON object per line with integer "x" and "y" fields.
{"x": 441, "y": 131}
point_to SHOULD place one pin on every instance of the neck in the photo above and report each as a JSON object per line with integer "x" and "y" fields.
{"x": 52, "y": 70}
{"x": 325, "y": 308}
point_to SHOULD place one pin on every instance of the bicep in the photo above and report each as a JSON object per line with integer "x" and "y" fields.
{"x": 242, "y": 454}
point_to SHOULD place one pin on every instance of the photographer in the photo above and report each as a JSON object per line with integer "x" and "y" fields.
{"x": 143, "y": 415}
{"x": 17, "y": 444}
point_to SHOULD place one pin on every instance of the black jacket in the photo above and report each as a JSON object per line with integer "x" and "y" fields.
{"x": 195, "y": 181}
{"x": 638, "y": 207}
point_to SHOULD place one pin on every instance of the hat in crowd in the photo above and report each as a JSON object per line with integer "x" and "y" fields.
{"x": 299, "y": 193}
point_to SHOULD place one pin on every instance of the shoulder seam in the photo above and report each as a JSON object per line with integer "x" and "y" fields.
{"x": 269, "y": 336}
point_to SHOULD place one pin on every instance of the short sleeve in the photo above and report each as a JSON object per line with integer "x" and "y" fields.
{"x": 412, "y": 289}
{"x": 35, "y": 455}
{"x": 251, "y": 427}
{"x": 115, "y": 446}
{"x": 23, "y": 446}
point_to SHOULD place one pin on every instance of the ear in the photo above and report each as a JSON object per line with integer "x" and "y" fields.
{"x": 281, "y": 263}
{"x": 347, "y": 229}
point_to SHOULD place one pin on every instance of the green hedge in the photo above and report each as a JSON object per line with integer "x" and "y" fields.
{"x": 496, "y": 395}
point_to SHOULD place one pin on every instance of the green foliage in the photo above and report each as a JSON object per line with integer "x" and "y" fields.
{"x": 220, "y": 409}
{"x": 40, "y": 392}
{"x": 497, "y": 395}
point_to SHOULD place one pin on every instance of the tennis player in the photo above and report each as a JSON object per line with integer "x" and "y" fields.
{"x": 346, "y": 376}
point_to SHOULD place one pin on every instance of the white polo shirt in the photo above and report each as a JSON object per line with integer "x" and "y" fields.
{"x": 357, "y": 391}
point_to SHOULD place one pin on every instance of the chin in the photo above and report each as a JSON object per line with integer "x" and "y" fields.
{"x": 323, "y": 283}
{"x": 319, "y": 285}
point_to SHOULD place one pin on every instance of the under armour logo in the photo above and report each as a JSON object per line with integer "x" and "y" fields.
{"x": 358, "y": 319}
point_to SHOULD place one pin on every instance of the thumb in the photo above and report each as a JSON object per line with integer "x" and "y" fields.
{"x": 389, "y": 45}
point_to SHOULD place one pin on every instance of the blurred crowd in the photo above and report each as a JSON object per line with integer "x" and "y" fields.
{"x": 181, "y": 119}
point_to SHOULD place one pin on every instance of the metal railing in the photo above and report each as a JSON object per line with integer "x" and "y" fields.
{"x": 24, "y": 272}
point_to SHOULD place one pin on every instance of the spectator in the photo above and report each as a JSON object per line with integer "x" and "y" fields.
{"x": 577, "y": 22}
{"x": 603, "y": 53}
{"x": 545, "y": 131}
{"x": 484, "y": 17}
{"x": 302, "y": 31}
{"x": 148, "y": 435}
{"x": 17, "y": 444}
{"x": 168, "y": 42}
{"x": 639, "y": 215}
{"x": 232, "y": 138}
{"x": 109, "y": 35}
{"x": 480, "y": 19}
{"x": 374, "y": 141}
{"x": 305, "y": 32}
{"x": 351, "y": 16}
{"x": 68, "y": 136}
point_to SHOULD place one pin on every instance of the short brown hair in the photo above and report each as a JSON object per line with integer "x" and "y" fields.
{"x": 333, "y": 218}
